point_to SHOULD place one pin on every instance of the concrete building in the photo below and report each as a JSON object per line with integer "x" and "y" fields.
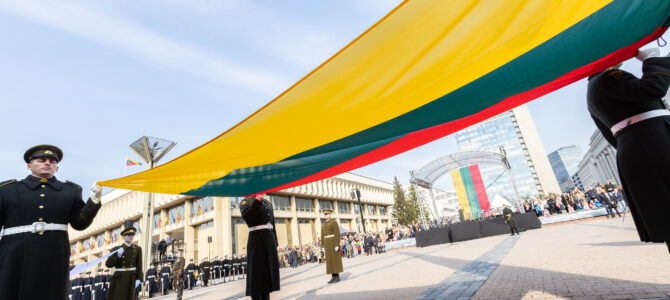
{"x": 599, "y": 163}
{"x": 446, "y": 202}
{"x": 515, "y": 130}
{"x": 565, "y": 163}
{"x": 212, "y": 226}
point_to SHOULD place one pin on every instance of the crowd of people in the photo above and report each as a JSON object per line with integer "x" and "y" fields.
{"x": 608, "y": 195}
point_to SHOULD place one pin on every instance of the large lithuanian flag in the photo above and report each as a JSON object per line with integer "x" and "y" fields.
{"x": 427, "y": 69}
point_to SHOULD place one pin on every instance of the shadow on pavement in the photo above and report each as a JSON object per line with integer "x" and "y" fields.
{"x": 617, "y": 244}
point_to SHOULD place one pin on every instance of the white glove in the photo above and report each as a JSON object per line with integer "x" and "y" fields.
{"x": 120, "y": 252}
{"x": 337, "y": 248}
{"x": 96, "y": 193}
{"x": 137, "y": 283}
{"x": 647, "y": 53}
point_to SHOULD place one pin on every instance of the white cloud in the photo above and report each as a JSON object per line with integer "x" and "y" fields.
{"x": 150, "y": 46}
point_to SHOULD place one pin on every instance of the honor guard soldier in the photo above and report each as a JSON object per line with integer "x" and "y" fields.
{"x": 150, "y": 279}
{"x": 508, "y": 216}
{"x": 330, "y": 241}
{"x": 128, "y": 266}
{"x": 261, "y": 247}
{"x": 236, "y": 267}
{"x": 190, "y": 274}
{"x": 215, "y": 270}
{"x": 88, "y": 286}
{"x": 165, "y": 278}
{"x": 205, "y": 269}
{"x": 227, "y": 264}
{"x": 77, "y": 288}
{"x": 631, "y": 116}
{"x": 99, "y": 285}
{"x": 243, "y": 265}
{"x": 35, "y": 212}
{"x": 178, "y": 273}
{"x": 107, "y": 279}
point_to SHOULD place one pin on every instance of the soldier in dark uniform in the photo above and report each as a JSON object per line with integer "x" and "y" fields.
{"x": 236, "y": 266}
{"x": 261, "y": 247}
{"x": 205, "y": 270}
{"x": 127, "y": 262}
{"x": 35, "y": 212}
{"x": 150, "y": 279}
{"x": 215, "y": 269}
{"x": 190, "y": 275}
{"x": 99, "y": 285}
{"x": 227, "y": 265}
{"x": 178, "y": 273}
{"x": 330, "y": 241}
{"x": 165, "y": 278}
{"x": 88, "y": 287}
{"x": 508, "y": 216}
{"x": 107, "y": 279}
{"x": 77, "y": 288}
{"x": 629, "y": 113}
{"x": 243, "y": 265}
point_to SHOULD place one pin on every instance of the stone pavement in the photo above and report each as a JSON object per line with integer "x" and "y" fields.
{"x": 597, "y": 259}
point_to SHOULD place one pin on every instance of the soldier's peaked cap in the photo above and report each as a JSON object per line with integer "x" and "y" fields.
{"x": 327, "y": 211}
{"x": 43, "y": 151}
{"x": 129, "y": 228}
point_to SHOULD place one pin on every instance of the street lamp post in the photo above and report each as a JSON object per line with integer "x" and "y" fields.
{"x": 150, "y": 150}
{"x": 356, "y": 195}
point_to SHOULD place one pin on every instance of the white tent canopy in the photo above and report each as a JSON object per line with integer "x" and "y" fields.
{"x": 498, "y": 201}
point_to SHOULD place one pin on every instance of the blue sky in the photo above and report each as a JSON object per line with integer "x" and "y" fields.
{"x": 92, "y": 77}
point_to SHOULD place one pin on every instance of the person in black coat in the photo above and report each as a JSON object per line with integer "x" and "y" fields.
{"x": 88, "y": 286}
{"x": 616, "y": 98}
{"x": 189, "y": 280}
{"x": 165, "y": 278}
{"x": 205, "y": 270}
{"x": 150, "y": 278}
{"x": 227, "y": 266}
{"x": 77, "y": 288}
{"x": 608, "y": 202}
{"x": 35, "y": 212}
{"x": 99, "y": 285}
{"x": 263, "y": 262}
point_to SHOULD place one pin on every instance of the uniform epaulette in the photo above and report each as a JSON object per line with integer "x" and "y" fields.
{"x": 72, "y": 183}
{"x": 7, "y": 182}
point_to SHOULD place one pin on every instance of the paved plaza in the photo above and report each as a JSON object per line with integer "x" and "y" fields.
{"x": 595, "y": 259}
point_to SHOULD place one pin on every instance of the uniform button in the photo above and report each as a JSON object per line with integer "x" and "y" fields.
{"x": 41, "y": 195}
{"x": 43, "y": 186}
{"x": 41, "y": 206}
{"x": 41, "y": 232}
{"x": 40, "y": 219}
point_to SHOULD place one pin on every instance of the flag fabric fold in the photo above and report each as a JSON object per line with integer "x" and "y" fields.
{"x": 426, "y": 70}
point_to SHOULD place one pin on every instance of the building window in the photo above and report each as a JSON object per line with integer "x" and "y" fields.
{"x": 99, "y": 241}
{"x": 280, "y": 202}
{"x": 116, "y": 234}
{"x": 382, "y": 210}
{"x": 136, "y": 224}
{"x": 207, "y": 225}
{"x": 325, "y": 204}
{"x": 87, "y": 244}
{"x": 176, "y": 214}
{"x": 201, "y": 206}
{"x": 304, "y": 204}
{"x": 233, "y": 222}
{"x": 235, "y": 202}
{"x": 73, "y": 249}
{"x": 303, "y": 221}
{"x": 344, "y": 207}
{"x": 357, "y": 208}
{"x": 371, "y": 209}
{"x": 158, "y": 221}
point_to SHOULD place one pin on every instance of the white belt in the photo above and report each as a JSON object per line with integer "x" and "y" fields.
{"x": 190, "y": 271}
{"x": 99, "y": 283}
{"x": 124, "y": 269}
{"x": 330, "y": 236}
{"x": 88, "y": 285}
{"x": 259, "y": 227}
{"x": 151, "y": 276}
{"x": 76, "y": 287}
{"x": 35, "y": 228}
{"x": 618, "y": 127}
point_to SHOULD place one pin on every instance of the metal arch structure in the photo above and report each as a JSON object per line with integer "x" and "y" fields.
{"x": 428, "y": 174}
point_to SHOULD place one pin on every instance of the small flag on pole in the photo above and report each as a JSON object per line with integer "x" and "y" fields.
{"x": 130, "y": 162}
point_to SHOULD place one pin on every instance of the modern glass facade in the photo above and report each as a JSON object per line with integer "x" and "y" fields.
{"x": 502, "y": 130}
{"x": 565, "y": 163}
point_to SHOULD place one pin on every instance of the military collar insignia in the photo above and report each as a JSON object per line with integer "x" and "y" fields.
{"x": 33, "y": 182}
{"x": 244, "y": 202}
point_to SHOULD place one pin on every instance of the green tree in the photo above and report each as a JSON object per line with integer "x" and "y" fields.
{"x": 412, "y": 207}
{"x": 399, "y": 203}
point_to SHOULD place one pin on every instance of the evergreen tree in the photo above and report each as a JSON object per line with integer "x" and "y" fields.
{"x": 412, "y": 207}
{"x": 399, "y": 203}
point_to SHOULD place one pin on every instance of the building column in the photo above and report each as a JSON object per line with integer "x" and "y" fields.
{"x": 317, "y": 220}
{"x": 294, "y": 238}
{"x": 222, "y": 227}
{"x": 189, "y": 232}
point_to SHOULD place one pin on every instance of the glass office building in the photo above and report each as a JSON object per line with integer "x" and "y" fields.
{"x": 515, "y": 131}
{"x": 565, "y": 163}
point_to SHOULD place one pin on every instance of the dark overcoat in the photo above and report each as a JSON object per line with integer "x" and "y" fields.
{"x": 330, "y": 238}
{"x": 642, "y": 154}
{"x": 37, "y": 265}
{"x": 508, "y": 216}
{"x": 150, "y": 279}
{"x": 263, "y": 275}
{"x": 190, "y": 273}
{"x": 178, "y": 272}
{"x": 122, "y": 284}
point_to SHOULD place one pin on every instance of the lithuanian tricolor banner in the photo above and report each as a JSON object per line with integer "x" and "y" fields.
{"x": 425, "y": 70}
{"x": 470, "y": 191}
